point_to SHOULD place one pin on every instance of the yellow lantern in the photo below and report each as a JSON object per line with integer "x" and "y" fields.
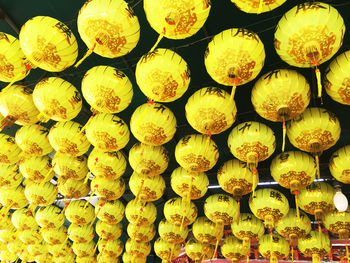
{"x": 55, "y": 236}
{"x": 315, "y": 245}
{"x": 10, "y": 177}
{"x": 198, "y": 251}
{"x": 317, "y": 199}
{"x": 127, "y": 258}
{"x": 108, "y": 132}
{"x": 257, "y": 6}
{"x": 90, "y": 259}
{"x": 165, "y": 250}
{"x": 80, "y": 212}
{"x": 110, "y": 212}
{"x": 41, "y": 194}
{"x": 84, "y": 249}
{"x": 7, "y": 256}
{"x": 61, "y": 250}
{"x": 153, "y": 124}
{"x": 8, "y": 235}
{"x": 148, "y": 160}
{"x": 205, "y": 231}
{"x": 15, "y": 246}
{"x": 9, "y": 151}
{"x": 72, "y": 189}
{"x": 70, "y": 167}
{"x": 196, "y": 153}
{"x": 179, "y": 213}
{"x": 162, "y": 75}
{"x": 81, "y": 234}
{"x": 269, "y": 205}
{"x": 13, "y": 198}
{"x": 141, "y": 214}
{"x": 37, "y": 169}
{"x": 37, "y": 249}
{"x": 68, "y": 139}
{"x": 338, "y": 165}
{"x": 220, "y": 209}
{"x": 210, "y": 110}
{"x": 108, "y": 28}
{"x": 107, "y": 89}
{"x": 16, "y": 105}
{"x": 338, "y": 223}
{"x": 24, "y": 256}
{"x": 23, "y": 219}
{"x": 31, "y": 237}
{"x": 33, "y": 140}
{"x": 234, "y": 57}
{"x": 189, "y": 185}
{"x": 45, "y": 258}
{"x": 308, "y": 35}
{"x": 49, "y": 217}
{"x": 171, "y": 233}
{"x": 107, "y": 231}
{"x": 233, "y": 249}
{"x": 273, "y": 247}
{"x": 147, "y": 189}
{"x": 48, "y": 43}
{"x": 111, "y": 248}
{"x": 102, "y": 258}
{"x": 108, "y": 189}
{"x": 137, "y": 249}
{"x": 336, "y": 79}
{"x": 56, "y": 99}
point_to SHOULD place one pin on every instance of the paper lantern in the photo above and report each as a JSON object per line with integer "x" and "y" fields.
{"x": 107, "y": 231}
{"x": 41, "y": 194}
{"x": 179, "y": 213}
{"x": 84, "y": 249}
{"x": 315, "y": 245}
{"x": 49, "y": 217}
{"x": 107, "y": 132}
{"x": 81, "y": 234}
{"x": 55, "y": 236}
{"x": 127, "y": 258}
{"x": 198, "y": 251}
{"x": 165, "y": 250}
{"x": 110, "y": 212}
{"x": 107, "y": 89}
{"x": 30, "y": 237}
{"x": 205, "y": 231}
{"x": 338, "y": 223}
{"x": 79, "y": 212}
{"x": 141, "y": 214}
{"x": 9, "y": 151}
{"x": 234, "y": 57}
{"x": 220, "y": 209}
{"x": 153, "y": 124}
{"x": 37, "y": 249}
{"x": 336, "y": 79}
{"x": 56, "y": 99}
{"x": 111, "y": 248}
{"x": 339, "y": 165}
{"x": 37, "y": 169}
{"x": 33, "y": 140}
{"x": 273, "y": 247}
{"x": 137, "y": 249}
{"x": 269, "y": 205}
{"x": 147, "y": 189}
{"x": 210, "y": 110}
{"x": 196, "y": 153}
{"x": 257, "y": 6}
{"x": 148, "y": 160}
{"x": 48, "y": 43}
{"x": 233, "y": 249}
{"x": 72, "y": 189}
{"x": 13, "y": 198}
{"x": 162, "y": 75}
{"x": 68, "y": 139}
{"x": 171, "y": 233}
{"x": 70, "y": 167}
{"x": 23, "y": 219}
{"x": 108, "y": 189}
{"x": 10, "y": 177}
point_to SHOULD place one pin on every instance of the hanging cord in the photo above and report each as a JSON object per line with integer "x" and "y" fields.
{"x": 284, "y": 135}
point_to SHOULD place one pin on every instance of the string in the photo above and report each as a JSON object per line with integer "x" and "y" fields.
{"x": 284, "y": 135}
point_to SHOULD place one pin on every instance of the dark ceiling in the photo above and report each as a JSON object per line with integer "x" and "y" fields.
{"x": 223, "y": 15}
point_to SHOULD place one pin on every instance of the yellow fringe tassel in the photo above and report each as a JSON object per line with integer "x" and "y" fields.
{"x": 284, "y": 135}
{"x": 160, "y": 37}
{"x": 140, "y": 191}
{"x": 87, "y": 177}
{"x": 297, "y": 205}
{"x": 260, "y": 6}
{"x": 88, "y": 201}
{"x": 88, "y": 53}
{"x": 319, "y": 84}
{"x": 317, "y": 167}
{"x": 347, "y": 252}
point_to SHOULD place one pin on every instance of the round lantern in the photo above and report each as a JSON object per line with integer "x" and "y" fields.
{"x": 233, "y": 249}
{"x": 257, "y": 6}
{"x": 81, "y": 234}
{"x": 79, "y": 212}
{"x": 171, "y": 233}
{"x": 220, "y": 209}
{"x": 162, "y": 75}
{"x": 37, "y": 169}
{"x": 141, "y": 214}
{"x": 234, "y": 57}
{"x": 49, "y": 217}
{"x": 70, "y": 167}
{"x": 72, "y": 189}
{"x": 68, "y": 139}
{"x": 141, "y": 233}
{"x": 107, "y": 132}
{"x": 13, "y": 198}
{"x": 166, "y": 251}
{"x": 23, "y": 219}
{"x": 153, "y": 124}
{"x": 273, "y": 247}
{"x": 148, "y": 160}
{"x": 196, "y": 153}
{"x": 198, "y": 251}
{"x": 56, "y": 99}
{"x": 10, "y": 177}
{"x": 210, "y": 110}
{"x": 9, "y": 151}
{"x": 33, "y": 140}
{"x": 84, "y": 249}
{"x": 107, "y": 89}
{"x": 48, "y": 43}
{"x": 336, "y": 79}
{"x": 137, "y": 249}
{"x": 42, "y": 194}
{"x": 30, "y": 237}
{"x": 338, "y": 223}
{"x": 127, "y": 258}
{"x": 37, "y": 249}
{"x": 110, "y": 212}
{"x": 339, "y": 165}
{"x": 205, "y": 231}
{"x": 108, "y": 189}
{"x": 16, "y": 246}
{"x": 315, "y": 245}
{"x": 269, "y": 205}
{"x": 179, "y": 213}
{"x": 111, "y": 248}
{"x": 107, "y": 231}
{"x": 147, "y": 189}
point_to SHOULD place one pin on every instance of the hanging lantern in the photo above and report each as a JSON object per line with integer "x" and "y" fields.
{"x": 198, "y": 251}
{"x": 127, "y": 258}
{"x": 72, "y": 189}
{"x": 67, "y": 138}
{"x": 10, "y": 177}
{"x": 16, "y": 105}
{"x": 308, "y": 35}
{"x": 179, "y": 213}
{"x": 315, "y": 245}
{"x": 166, "y": 251}
{"x": 269, "y": 205}
{"x": 141, "y": 234}
{"x": 108, "y": 28}
{"x": 70, "y": 167}
{"x": 79, "y": 212}
{"x": 204, "y": 230}
{"x": 196, "y": 153}
{"x": 171, "y": 233}
{"x": 13, "y": 198}
{"x": 234, "y": 57}
{"x": 49, "y": 217}
{"x": 41, "y": 194}
{"x": 317, "y": 199}
{"x": 9, "y": 151}
{"x": 37, "y": 169}
{"x": 84, "y": 249}
{"x": 147, "y": 189}
{"x": 233, "y": 249}
{"x": 111, "y": 248}
{"x": 108, "y": 189}
{"x": 162, "y": 75}
{"x": 30, "y": 237}
{"x": 81, "y": 234}
{"x": 153, "y": 124}
{"x": 339, "y": 165}
{"x": 273, "y": 247}
{"x": 107, "y": 231}
{"x": 110, "y": 212}
{"x": 61, "y": 250}
{"x": 56, "y": 99}
{"x": 33, "y": 140}
{"x": 338, "y": 223}
{"x": 48, "y": 43}
{"x": 107, "y": 89}
{"x": 108, "y": 132}
{"x": 37, "y": 249}
{"x": 55, "y": 236}
{"x": 141, "y": 214}
{"x": 220, "y": 209}
{"x": 147, "y": 160}
{"x": 210, "y": 110}
{"x": 136, "y": 249}
{"x": 336, "y": 79}
{"x": 257, "y": 6}
{"x": 23, "y": 219}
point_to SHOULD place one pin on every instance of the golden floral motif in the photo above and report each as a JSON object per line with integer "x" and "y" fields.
{"x": 108, "y": 218}
{"x": 312, "y": 206}
{"x": 310, "y": 251}
{"x": 287, "y": 231}
{"x": 148, "y": 166}
{"x": 105, "y": 140}
{"x": 108, "y": 236}
{"x": 164, "y": 254}
{"x": 210, "y": 120}
{"x": 222, "y": 216}
{"x": 344, "y": 91}
{"x": 256, "y": 3}
{"x": 236, "y": 256}
{"x": 246, "y": 234}
{"x": 325, "y": 139}
{"x": 338, "y": 226}
{"x": 78, "y": 239}
{"x": 4, "y": 182}
{"x": 106, "y": 98}
{"x": 197, "y": 163}
{"x": 345, "y": 177}
{"x": 46, "y": 52}
{"x": 243, "y": 184}
{"x": 277, "y": 254}
{"x": 54, "y": 241}
{"x": 32, "y": 148}
{"x": 6, "y": 68}
{"x": 171, "y": 237}
{"x": 83, "y": 254}
{"x": 257, "y": 147}
{"x": 163, "y": 84}
{"x": 195, "y": 192}
{"x": 48, "y": 225}
{"x": 38, "y": 199}
{"x": 308, "y": 34}
{"x": 148, "y": 194}
{"x": 195, "y": 255}
{"x": 34, "y": 175}
{"x": 79, "y": 220}
{"x": 141, "y": 221}
{"x": 208, "y": 238}
{"x": 73, "y": 193}
{"x": 152, "y": 133}
{"x": 66, "y": 146}
{"x": 54, "y": 108}
{"x": 139, "y": 237}
{"x": 177, "y": 219}
{"x": 276, "y": 213}
{"x": 301, "y": 177}
{"x": 106, "y": 171}
{"x": 4, "y": 159}
{"x": 107, "y": 194}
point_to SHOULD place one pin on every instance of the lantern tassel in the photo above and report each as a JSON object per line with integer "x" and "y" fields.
{"x": 65, "y": 207}
{"x": 247, "y": 261}
{"x": 284, "y": 135}
{"x": 160, "y": 37}
{"x": 88, "y": 201}
{"x": 260, "y": 7}
{"x": 47, "y": 175}
{"x": 347, "y": 252}
{"x": 317, "y": 167}
{"x": 87, "y": 54}
{"x": 220, "y": 227}
{"x": 140, "y": 191}
{"x": 43, "y": 117}
{"x": 319, "y": 232}
{"x": 216, "y": 248}
{"x": 95, "y": 248}
{"x": 87, "y": 177}
{"x": 139, "y": 215}
{"x": 238, "y": 210}
{"x": 87, "y": 124}
{"x": 31, "y": 208}
{"x": 292, "y": 252}
{"x": 254, "y": 180}
{"x": 319, "y": 84}
{"x": 96, "y": 214}
{"x": 297, "y": 204}
{"x": 234, "y": 87}
{"x": 172, "y": 251}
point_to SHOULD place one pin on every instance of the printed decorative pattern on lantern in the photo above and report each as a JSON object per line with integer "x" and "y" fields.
{"x": 46, "y": 53}
{"x": 286, "y": 178}
{"x": 256, "y": 3}
{"x": 32, "y": 148}
{"x": 266, "y": 211}
{"x": 244, "y": 185}
{"x": 34, "y": 175}
{"x": 197, "y": 163}
{"x": 311, "y": 207}
{"x": 148, "y": 194}
{"x": 54, "y": 108}
{"x": 277, "y": 254}
{"x": 106, "y": 99}
{"x": 207, "y": 237}
{"x": 344, "y": 91}
{"x": 105, "y": 141}
{"x": 4, "y": 159}
{"x": 287, "y": 231}
{"x": 6, "y": 68}
{"x": 152, "y": 133}
{"x": 254, "y": 147}
{"x": 163, "y": 84}
{"x": 184, "y": 188}
{"x": 108, "y": 218}
{"x": 222, "y": 216}
{"x": 315, "y": 251}
{"x": 148, "y": 167}
{"x": 105, "y": 171}
{"x": 209, "y": 120}
{"x": 338, "y": 226}
{"x": 324, "y": 138}
{"x": 246, "y": 234}
{"x": 66, "y": 146}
